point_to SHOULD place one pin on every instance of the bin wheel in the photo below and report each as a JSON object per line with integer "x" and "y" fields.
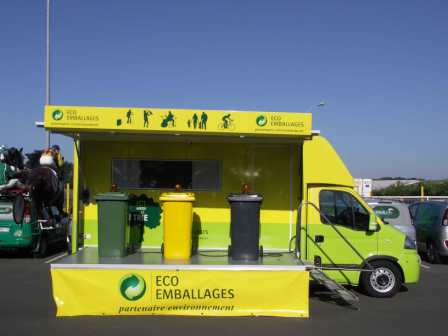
{"x": 162, "y": 249}
{"x": 261, "y": 251}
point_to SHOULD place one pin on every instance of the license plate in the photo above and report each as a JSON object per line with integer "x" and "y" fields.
{"x": 4, "y": 229}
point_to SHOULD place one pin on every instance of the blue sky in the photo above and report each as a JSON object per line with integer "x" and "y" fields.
{"x": 381, "y": 66}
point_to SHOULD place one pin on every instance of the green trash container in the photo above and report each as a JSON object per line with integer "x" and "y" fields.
{"x": 113, "y": 224}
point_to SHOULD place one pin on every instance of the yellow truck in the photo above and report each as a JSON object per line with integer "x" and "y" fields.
{"x": 340, "y": 232}
{"x": 309, "y": 200}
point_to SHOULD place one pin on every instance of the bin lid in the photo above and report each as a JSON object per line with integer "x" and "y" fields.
{"x": 246, "y": 197}
{"x": 112, "y": 196}
{"x": 177, "y": 197}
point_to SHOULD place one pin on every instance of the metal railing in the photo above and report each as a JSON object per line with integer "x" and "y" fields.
{"x": 299, "y": 226}
{"x": 406, "y": 199}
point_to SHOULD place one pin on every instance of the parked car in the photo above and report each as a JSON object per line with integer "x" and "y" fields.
{"x": 29, "y": 234}
{"x": 394, "y": 213}
{"x": 431, "y": 223}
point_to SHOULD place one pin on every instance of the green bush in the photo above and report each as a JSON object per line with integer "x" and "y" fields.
{"x": 431, "y": 188}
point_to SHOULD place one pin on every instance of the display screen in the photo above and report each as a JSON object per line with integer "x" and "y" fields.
{"x": 165, "y": 174}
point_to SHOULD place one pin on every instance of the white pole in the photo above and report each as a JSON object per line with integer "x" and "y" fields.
{"x": 47, "y": 70}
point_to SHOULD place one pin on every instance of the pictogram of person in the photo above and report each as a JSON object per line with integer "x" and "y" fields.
{"x": 204, "y": 119}
{"x": 129, "y": 117}
{"x": 226, "y": 121}
{"x": 146, "y": 115}
{"x": 195, "y": 121}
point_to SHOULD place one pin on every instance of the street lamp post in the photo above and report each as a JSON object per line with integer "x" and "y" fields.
{"x": 321, "y": 104}
{"x": 47, "y": 70}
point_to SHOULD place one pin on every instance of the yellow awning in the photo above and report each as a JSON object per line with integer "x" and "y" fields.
{"x": 155, "y": 121}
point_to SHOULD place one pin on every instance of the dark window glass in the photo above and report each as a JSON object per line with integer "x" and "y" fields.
{"x": 341, "y": 208}
{"x": 423, "y": 213}
{"x": 327, "y": 206}
{"x": 336, "y": 207}
{"x": 165, "y": 174}
{"x": 434, "y": 214}
{"x": 360, "y": 214}
{"x": 413, "y": 210}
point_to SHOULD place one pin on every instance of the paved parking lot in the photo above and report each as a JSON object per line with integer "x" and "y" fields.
{"x": 26, "y": 307}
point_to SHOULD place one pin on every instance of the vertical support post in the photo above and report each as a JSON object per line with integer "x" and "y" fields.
{"x": 291, "y": 181}
{"x": 67, "y": 198}
{"x": 75, "y": 196}
{"x": 302, "y": 211}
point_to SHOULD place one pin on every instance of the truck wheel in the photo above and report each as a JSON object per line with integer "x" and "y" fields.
{"x": 432, "y": 255}
{"x": 384, "y": 281}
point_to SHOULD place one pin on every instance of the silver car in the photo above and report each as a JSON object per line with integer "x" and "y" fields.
{"x": 431, "y": 224}
{"x": 396, "y": 214}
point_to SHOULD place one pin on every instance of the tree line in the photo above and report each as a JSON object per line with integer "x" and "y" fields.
{"x": 431, "y": 188}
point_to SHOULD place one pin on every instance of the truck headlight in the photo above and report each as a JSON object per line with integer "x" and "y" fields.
{"x": 409, "y": 243}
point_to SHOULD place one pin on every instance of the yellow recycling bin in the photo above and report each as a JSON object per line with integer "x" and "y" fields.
{"x": 177, "y": 224}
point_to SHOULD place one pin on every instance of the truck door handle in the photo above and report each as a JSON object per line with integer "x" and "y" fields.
{"x": 318, "y": 239}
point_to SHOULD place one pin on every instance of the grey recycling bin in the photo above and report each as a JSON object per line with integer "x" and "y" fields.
{"x": 113, "y": 224}
{"x": 245, "y": 226}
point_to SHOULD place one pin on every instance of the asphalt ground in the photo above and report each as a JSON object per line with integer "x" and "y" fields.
{"x": 27, "y": 308}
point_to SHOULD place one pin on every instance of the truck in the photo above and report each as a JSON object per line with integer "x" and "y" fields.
{"x": 340, "y": 233}
{"x": 309, "y": 196}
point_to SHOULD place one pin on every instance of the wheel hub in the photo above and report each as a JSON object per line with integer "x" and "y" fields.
{"x": 382, "y": 279}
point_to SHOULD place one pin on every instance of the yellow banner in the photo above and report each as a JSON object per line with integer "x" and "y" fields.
{"x": 182, "y": 292}
{"x": 151, "y": 120}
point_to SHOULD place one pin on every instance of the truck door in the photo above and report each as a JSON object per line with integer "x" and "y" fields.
{"x": 350, "y": 215}
{"x": 423, "y": 225}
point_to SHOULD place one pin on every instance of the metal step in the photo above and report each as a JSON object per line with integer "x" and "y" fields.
{"x": 339, "y": 291}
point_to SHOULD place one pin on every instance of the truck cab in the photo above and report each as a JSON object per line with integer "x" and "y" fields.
{"x": 341, "y": 234}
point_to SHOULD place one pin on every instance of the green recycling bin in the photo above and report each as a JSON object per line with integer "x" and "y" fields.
{"x": 113, "y": 224}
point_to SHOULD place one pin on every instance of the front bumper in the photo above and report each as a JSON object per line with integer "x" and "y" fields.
{"x": 12, "y": 242}
{"x": 410, "y": 264}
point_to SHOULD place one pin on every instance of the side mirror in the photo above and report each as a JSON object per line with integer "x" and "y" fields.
{"x": 373, "y": 223}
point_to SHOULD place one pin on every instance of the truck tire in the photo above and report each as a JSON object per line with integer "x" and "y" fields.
{"x": 432, "y": 255}
{"x": 384, "y": 281}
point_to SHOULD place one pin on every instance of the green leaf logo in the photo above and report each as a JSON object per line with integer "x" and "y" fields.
{"x": 57, "y": 115}
{"x": 132, "y": 287}
{"x": 261, "y": 120}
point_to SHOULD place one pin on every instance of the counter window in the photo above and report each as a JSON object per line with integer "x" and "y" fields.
{"x": 165, "y": 174}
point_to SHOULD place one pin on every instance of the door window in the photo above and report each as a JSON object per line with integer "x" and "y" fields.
{"x": 434, "y": 214}
{"x": 342, "y": 208}
{"x": 424, "y": 214}
{"x": 413, "y": 211}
